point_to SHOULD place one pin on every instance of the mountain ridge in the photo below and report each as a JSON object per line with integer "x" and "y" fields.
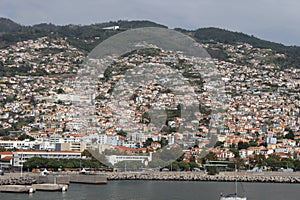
{"x": 15, "y": 32}
{"x": 8, "y": 25}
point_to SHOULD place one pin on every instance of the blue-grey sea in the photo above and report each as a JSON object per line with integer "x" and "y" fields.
{"x": 164, "y": 190}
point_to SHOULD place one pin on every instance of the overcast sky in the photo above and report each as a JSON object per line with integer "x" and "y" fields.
{"x": 274, "y": 20}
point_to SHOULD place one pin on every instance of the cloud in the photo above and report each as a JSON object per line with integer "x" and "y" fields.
{"x": 259, "y": 17}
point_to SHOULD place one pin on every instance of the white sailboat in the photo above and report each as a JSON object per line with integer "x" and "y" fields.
{"x": 233, "y": 196}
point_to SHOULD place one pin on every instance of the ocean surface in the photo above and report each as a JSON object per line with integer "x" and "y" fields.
{"x": 164, "y": 190}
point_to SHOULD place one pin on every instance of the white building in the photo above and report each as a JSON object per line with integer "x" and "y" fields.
{"x": 10, "y": 144}
{"x": 19, "y": 157}
{"x": 5, "y": 159}
{"x": 112, "y": 28}
{"x": 113, "y": 159}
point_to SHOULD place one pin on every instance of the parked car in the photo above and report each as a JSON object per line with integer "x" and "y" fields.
{"x": 1, "y": 172}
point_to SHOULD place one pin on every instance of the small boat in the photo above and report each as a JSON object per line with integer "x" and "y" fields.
{"x": 233, "y": 196}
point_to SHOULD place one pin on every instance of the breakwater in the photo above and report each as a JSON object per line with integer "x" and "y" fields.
{"x": 194, "y": 176}
{"x": 18, "y": 180}
{"x": 30, "y": 179}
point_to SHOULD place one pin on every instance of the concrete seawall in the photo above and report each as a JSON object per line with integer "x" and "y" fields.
{"x": 196, "y": 176}
{"x": 66, "y": 179}
{"x": 88, "y": 179}
{"x": 53, "y": 179}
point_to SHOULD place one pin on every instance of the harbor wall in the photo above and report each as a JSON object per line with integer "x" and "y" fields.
{"x": 102, "y": 178}
{"x": 88, "y": 179}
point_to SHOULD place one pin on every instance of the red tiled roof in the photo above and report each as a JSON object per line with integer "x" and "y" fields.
{"x": 41, "y": 151}
{"x": 6, "y": 153}
{"x": 6, "y": 158}
{"x": 78, "y": 135}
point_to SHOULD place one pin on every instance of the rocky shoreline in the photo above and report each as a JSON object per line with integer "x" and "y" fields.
{"x": 202, "y": 177}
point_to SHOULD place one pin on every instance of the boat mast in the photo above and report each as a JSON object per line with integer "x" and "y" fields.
{"x": 235, "y": 181}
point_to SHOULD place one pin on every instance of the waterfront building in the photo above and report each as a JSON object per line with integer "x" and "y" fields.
{"x": 19, "y": 157}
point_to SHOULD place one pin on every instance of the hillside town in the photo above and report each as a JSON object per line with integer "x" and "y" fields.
{"x": 39, "y": 113}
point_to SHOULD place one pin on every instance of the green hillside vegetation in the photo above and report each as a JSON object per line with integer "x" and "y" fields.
{"x": 86, "y": 37}
{"x": 7, "y": 25}
{"x": 229, "y": 37}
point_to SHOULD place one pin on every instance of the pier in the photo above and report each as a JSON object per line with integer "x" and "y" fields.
{"x": 52, "y": 183}
{"x": 50, "y": 187}
{"x": 17, "y": 189}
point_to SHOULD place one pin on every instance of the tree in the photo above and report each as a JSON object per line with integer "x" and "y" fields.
{"x": 252, "y": 143}
{"x": 146, "y": 118}
{"x": 243, "y": 145}
{"x": 258, "y": 160}
{"x": 290, "y": 135}
{"x": 57, "y": 163}
{"x": 122, "y": 133}
{"x": 163, "y": 142}
{"x": 2, "y": 148}
{"x": 193, "y": 165}
{"x": 60, "y": 91}
{"x": 297, "y": 165}
{"x": 212, "y": 170}
{"x": 273, "y": 161}
{"x": 235, "y": 151}
{"x": 148, "y": 142}
{"x": 25, "y": 136}
{"x": 192, "y": 159}
{"x": 240, "y": 163}
{"x": 86, "y": 153}
{"x": 219, "y": 144}
{"x": 184, "y": 166}
{"x": 211, "y": 156}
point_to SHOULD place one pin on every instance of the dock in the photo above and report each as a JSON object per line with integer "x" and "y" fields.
{"x": 17, "y": 188}
{"x": 50, "y": 187}
{"x": 51, "y": 183}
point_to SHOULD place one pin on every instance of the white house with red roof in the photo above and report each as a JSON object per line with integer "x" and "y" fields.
{"x": 6, "y": 159}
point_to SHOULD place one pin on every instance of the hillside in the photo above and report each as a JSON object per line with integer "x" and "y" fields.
{"x": 229, "y": 37}
{"x": 245, "y": 102}
{"x": 86, "y": 37}
{"x": 7, "y": 25}
{"x": 80, "y": 36}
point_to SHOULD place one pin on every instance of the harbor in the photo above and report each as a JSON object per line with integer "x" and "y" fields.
{"x": 162, "y": 190}
{"x": 32, "y": 183}
{"x": 104, "y": 177}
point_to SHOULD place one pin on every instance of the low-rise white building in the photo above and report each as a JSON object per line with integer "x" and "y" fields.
{"x": 19, "y": 157}
{"x": 11, "y": 144}
{"x": 113, "y": 159}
